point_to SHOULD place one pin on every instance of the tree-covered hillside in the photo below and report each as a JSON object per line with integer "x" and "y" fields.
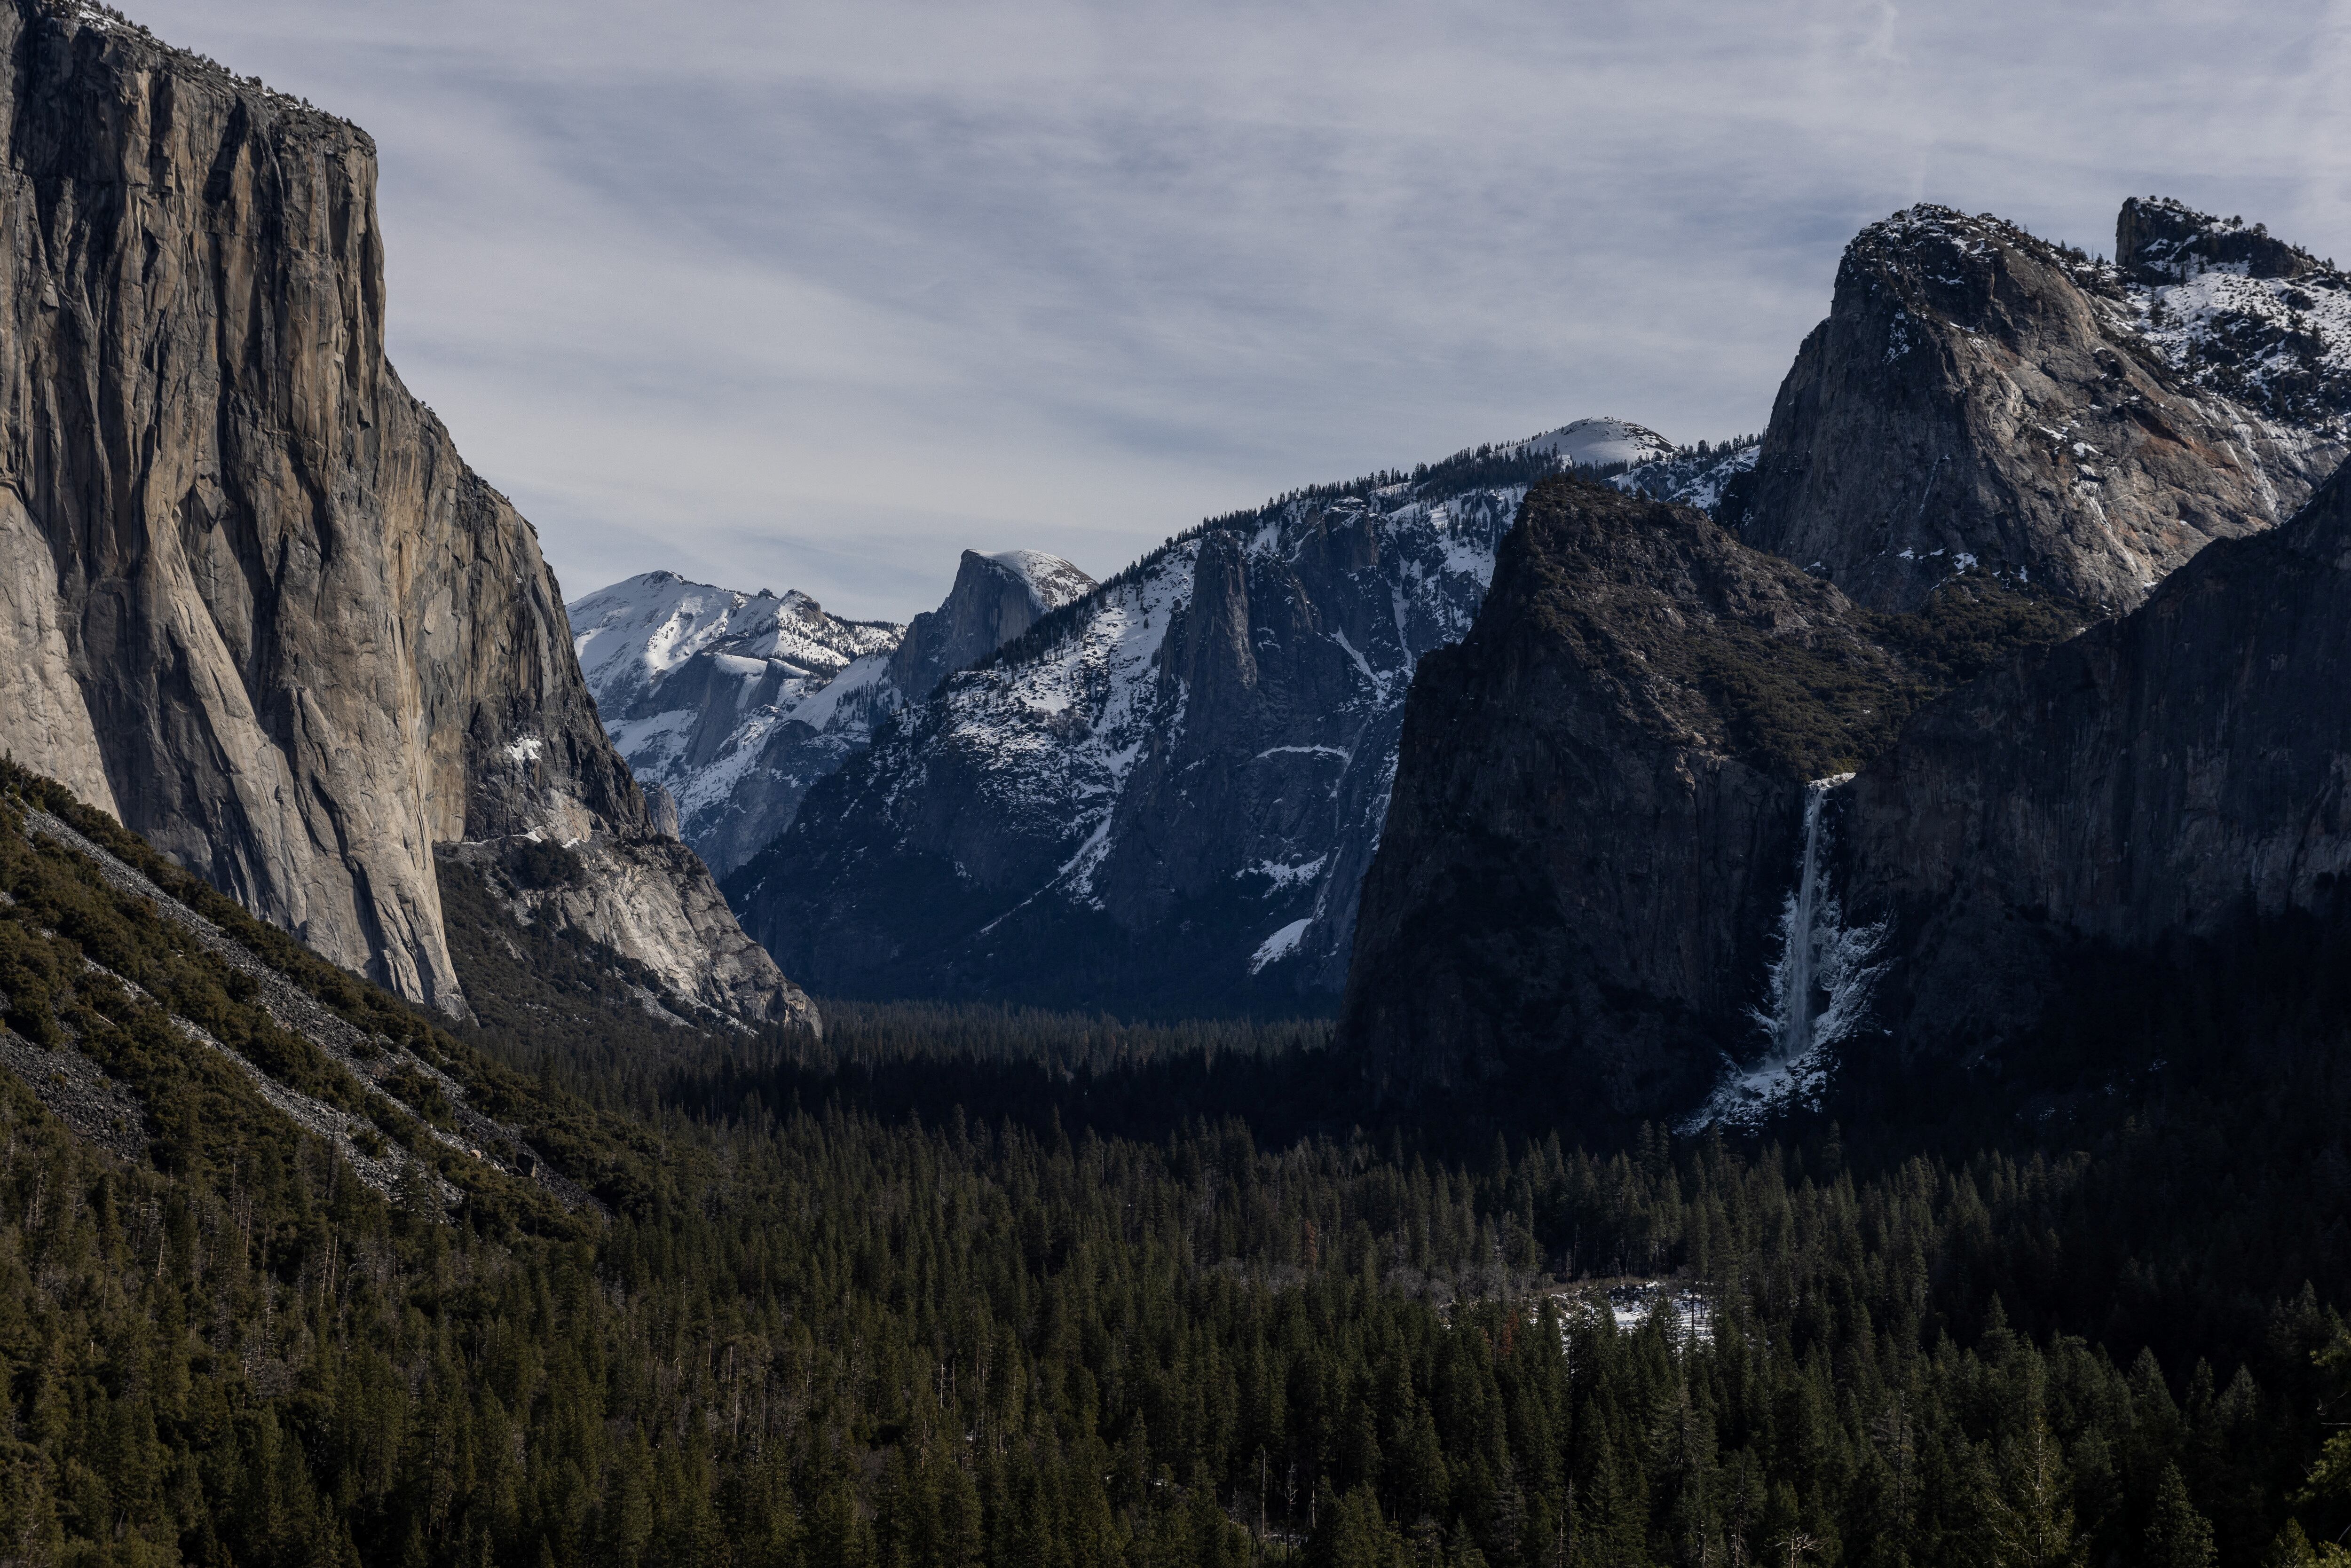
{"x": 962, "y": 1287}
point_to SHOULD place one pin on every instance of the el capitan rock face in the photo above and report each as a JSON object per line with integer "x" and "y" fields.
{"x": 257, "y": 605}
{"x": 1981, "y": 399}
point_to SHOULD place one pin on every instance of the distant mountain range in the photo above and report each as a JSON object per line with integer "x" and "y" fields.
{"x": 733, "y": 705}
{"x": 1163, "y": 796}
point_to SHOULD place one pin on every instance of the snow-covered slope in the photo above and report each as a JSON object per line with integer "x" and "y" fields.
{"x": 1050, "y": 580}
{"x": 1693, "y": 476}
{"x": 736, "y": 703}
{"x": 712, "y": 694}
{"x": 1640, "y": 462}
{"x": 1165, "y": 795}
{"x": 2234, "y": 310}
{"x": 1601, "y": 443}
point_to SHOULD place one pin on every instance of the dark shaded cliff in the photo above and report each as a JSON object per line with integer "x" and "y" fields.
{"x": 1600, "y": 791}
{"x": 2180, "y": 773}
{"x": 257, "y": 605}
{"x": 1980, "y": 398}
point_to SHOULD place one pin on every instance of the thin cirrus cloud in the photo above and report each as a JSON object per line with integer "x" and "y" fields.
{"x": 818, "y": 295}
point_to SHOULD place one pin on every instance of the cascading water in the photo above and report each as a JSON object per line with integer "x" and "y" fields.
{"x": 1819, "y": 987}
{"x": 1791, "y": 980}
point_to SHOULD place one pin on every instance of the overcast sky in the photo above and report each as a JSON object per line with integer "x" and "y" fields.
{"x": 816, "y": 295}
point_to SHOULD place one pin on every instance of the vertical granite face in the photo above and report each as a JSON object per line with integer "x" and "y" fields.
{"x": 259, "y": 606}
{"x": 1979, "y": 398}
{"x": 1587, "y": 840}
{"x": 2174, "y": 773}
{"x": 1603, "y": 805}
{"x": 994, "y": 598}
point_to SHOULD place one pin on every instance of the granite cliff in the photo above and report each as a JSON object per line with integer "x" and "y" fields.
{"x": 255, "y": 604}
{"x": 1602, "y": 870}
{"x": 2178, "y": 774}
{"x": 1981, "y": 399}
{"x": 1602, "y": 789}
{"x": 994, "y": 598}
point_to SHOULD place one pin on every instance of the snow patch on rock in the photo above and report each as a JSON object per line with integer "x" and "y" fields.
{"x": 1278, "y": 945}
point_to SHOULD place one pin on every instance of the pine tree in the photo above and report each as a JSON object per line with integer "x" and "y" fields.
{"x": 2178, "y": 1536}
{"x": 2029, "y": 1509}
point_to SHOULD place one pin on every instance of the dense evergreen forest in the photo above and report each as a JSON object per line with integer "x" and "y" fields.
{"x": 962, "y": 1287}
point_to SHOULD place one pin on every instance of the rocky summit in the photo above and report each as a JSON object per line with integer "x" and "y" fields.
{"x": 252, "y": 601}
{"x": 1980, "y": 399}
{"x": 996, "y": 598}
{"x": 732, "y": 704}
{"x": 1688, "y": 838}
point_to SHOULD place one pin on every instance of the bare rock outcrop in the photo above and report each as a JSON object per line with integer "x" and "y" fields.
{"x": 1978, "y": 398}
{"x": 994, "y": 598}
{"x": 255, "y": 603}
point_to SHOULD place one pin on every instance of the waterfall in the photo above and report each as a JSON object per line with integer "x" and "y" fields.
{"x": 1802, "y": 935}
{"x": 1818, "y": 987}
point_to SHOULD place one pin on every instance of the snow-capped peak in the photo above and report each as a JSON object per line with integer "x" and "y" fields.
{"x": 1053, "y": 582}
{"x": 1601, "y": 443}
{"x": 631, "y": 635}
{"x": 2238, "y": 311}
{"x": 737, "y": 703}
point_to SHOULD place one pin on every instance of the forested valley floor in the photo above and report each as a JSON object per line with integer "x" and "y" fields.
{"x": 965, "y": 1287}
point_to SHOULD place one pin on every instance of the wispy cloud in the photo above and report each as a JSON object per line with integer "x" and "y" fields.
{"x": 816, "y": 295}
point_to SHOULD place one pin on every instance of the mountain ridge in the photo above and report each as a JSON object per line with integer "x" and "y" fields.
{"x": 734, "y": 704}
{"x": 1199, "y": 747}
